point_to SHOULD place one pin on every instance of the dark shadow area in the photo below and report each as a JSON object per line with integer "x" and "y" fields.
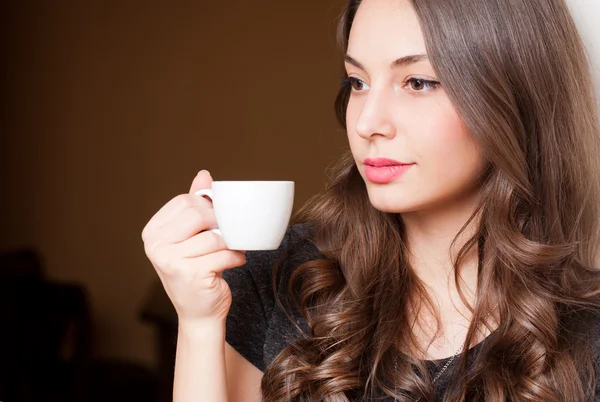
{"x": 45, "y": 342}
{"x": 108, "y": 110}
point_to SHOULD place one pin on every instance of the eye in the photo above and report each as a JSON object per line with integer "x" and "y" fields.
{"x": 357, "y": 85}
{"x": 421, "y": 85}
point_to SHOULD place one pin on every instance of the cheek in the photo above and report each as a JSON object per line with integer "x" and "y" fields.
{"x": 446, "y": 148}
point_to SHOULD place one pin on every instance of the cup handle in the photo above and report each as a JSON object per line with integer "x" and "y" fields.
{"x": 207, "y": 192}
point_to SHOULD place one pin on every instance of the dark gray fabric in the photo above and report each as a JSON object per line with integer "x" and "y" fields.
{"x": 255, "y": 327}
{"x": 258, "y": 329}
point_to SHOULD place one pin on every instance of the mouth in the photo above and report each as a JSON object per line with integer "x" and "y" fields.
{"x": 383, "y": 170}
{"x": 384, "y": 162}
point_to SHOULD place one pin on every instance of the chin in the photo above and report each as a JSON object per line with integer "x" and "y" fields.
{"x": 394, "y": 208}
{"x": 392, "y": 200}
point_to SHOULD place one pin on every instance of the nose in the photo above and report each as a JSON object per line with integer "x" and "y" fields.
{"x": 375, "y": 118}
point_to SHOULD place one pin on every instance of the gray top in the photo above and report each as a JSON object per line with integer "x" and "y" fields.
{"x": 258, "y": 329}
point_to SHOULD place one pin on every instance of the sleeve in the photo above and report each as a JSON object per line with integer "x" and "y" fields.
{"x": 252, "y": 304}
{"x": 253, "y": 301}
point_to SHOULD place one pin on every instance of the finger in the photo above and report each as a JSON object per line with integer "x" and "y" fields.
{"x": 217, "y": 262}
{"x": 186, "y": 224}
{"x": 178, "y": 204}
{"x": 203, "y": 180}
{"x": 171, "y": 210}
{"x": 201, "y": 244}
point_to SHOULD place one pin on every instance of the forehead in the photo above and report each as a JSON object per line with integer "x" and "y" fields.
{"x": 385, "y": 30}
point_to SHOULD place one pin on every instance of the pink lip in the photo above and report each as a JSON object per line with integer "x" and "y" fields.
{"x": 384, "y": 170}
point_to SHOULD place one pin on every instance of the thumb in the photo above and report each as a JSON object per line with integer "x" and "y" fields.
{"x": 203, "y": 180}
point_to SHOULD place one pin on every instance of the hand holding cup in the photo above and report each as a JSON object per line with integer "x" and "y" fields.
{"x": 193, "y": 238}
{"x": 189, "y": 258}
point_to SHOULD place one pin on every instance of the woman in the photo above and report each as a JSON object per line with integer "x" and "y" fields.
{"x": 453, "y": 256}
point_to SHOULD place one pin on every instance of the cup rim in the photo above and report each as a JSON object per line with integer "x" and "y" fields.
{"x": 254, "y": 181}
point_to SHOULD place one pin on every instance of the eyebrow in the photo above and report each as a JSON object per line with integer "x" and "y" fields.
{"x": 401, "y": 62}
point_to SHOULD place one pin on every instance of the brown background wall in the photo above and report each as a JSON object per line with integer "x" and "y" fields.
{"x": 110, "y": 109}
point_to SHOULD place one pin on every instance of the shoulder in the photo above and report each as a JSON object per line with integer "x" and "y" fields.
{"x": 257, "y": 274}
{"x": 256, "y": 327}
{"x": 296, "y": 248}
{"x": 583, "y": 326}
{"x": 593, "y": 334}
{"x": 588, "y": 326}
{"x": 582, "y": 321}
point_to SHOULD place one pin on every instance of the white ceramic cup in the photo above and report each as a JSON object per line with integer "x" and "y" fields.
{"x": 251, "y": 215}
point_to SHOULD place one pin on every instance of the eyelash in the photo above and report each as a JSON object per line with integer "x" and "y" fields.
{"x": 431, "y": 85}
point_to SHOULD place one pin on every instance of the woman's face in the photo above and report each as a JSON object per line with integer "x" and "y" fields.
{"x": 409, "y": 144}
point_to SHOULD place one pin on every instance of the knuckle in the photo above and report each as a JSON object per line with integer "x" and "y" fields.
{"x": 184, "y": 201}
{"x": 233, "y": 259}
{"x": 170, "y": 270}
{"x": 198, "y": 217}
{"x": 146, "y": 233}
{"x": 214, "y": 242}
{"x": 163, "y": 260}
{"x": 150, "y": 249}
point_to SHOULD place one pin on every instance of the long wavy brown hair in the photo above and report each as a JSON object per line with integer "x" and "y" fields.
{"x": 517, "y": 73}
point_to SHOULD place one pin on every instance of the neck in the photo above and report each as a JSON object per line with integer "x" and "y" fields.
{"x": 433, "y": 247}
